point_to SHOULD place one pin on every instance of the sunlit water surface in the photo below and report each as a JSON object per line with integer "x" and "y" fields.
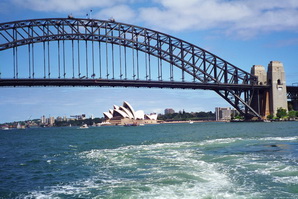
{"x": 200, "y": 160}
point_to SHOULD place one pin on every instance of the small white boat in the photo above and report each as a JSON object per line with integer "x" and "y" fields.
{"x": 191, "y": 122}
{"x": 84, "y": 126}
{"x": 104, "y": 124}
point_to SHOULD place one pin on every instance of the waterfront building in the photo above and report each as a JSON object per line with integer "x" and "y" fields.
{"x": 65, "y": 118}
{"x": 79, "y": 117}
{"x": 59, "y": 119}
{"x": 51, "y": 121}
{"x": 43, "y": 119}
{"x": 125, "y": 114}
{"x": 169, "y": 111}
{"x": 224, "y": 114}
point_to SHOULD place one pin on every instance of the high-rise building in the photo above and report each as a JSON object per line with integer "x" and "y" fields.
{"x": 59, "y": 119}
{"x": 64, "y": 118}
{"x": 52, "y": 121}
{"x": 43, "y": 119}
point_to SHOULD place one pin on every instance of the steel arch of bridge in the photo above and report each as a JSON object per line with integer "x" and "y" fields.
{"x": 207, "y": 70}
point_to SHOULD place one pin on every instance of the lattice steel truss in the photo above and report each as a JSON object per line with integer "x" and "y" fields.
{"x": 292, "y": 92}
{"x": 230, "y": 82}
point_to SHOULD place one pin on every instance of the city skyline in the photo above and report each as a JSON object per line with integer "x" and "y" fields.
{"x": 243, "y": 33}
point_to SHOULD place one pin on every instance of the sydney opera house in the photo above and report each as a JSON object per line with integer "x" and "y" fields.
{"x": 125, "y": 114}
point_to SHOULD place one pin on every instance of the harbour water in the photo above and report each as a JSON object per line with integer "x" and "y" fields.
{"x": 199, "y": 160}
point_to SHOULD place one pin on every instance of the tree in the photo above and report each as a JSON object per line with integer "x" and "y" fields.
{"x": 292, "y": 114}
{"x": 270, "y": 117}
{"x": 281, "y": 113}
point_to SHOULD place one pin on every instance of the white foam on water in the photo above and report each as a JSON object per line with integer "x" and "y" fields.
{"x": 286, "y": 180}
{"x": 220, "y": 141}
{"x": 174, "y": 171}
{"x": 280, "y": 138}
{"x": 70, "y": 190}
{"x": 194, "y": 191}
{"x": 163, "y": 170}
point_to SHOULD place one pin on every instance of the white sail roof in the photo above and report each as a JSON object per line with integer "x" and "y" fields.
{"x": 116, "y": 107}
{"x": 152, "y": 116}
{"x": 127, "y": 112}
{"x": 129, "y": 107}
{"x": 108, "y": 115}
{"x": 121, "y": 113}
{"x": 139, "y": 115}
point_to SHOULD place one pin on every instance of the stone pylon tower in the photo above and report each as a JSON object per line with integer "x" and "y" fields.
{"x": 278, "y": 90}
{"x": 266, "y": 102}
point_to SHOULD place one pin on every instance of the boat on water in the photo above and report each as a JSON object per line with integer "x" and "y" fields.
{"x": 131, "y": 124}
{"x": 84, "y": 126}
{"x": 104, "y": 124}
{"x": 191, "y": 122}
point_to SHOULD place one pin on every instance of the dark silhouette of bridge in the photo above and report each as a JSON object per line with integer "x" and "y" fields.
{"x": 88, "y": 52}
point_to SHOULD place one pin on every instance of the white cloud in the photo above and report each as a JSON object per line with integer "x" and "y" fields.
{"x": 64, "y": 5}
{"x": 236, "y": 17}
{"x": 240, "y": 18}
{"x": 193, "y": 14}
{"x": 121, "y": 13}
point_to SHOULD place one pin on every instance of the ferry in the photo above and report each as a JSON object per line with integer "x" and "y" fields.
{"x": 84, "y": 126}
{"x": 5, "y": 128}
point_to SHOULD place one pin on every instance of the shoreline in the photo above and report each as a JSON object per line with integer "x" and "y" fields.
{"x": 181, "y": 122}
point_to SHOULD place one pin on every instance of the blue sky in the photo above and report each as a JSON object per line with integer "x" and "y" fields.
{"x": 245, "y": 33}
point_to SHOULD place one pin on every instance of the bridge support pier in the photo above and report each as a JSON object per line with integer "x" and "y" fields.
{"x": 278, "y": 91}
{"x": 260, "y": 101}
{"x": 267, "y": 102}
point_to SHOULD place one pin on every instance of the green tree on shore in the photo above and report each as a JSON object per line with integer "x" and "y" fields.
{"x": 281, "y": 113}
{"x": 292, "y": 114}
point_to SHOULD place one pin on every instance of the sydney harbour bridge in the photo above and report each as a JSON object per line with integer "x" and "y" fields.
{"x": 89, "y": 52}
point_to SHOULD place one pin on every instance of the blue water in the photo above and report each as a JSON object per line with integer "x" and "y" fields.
{"x": 200, "y": 160}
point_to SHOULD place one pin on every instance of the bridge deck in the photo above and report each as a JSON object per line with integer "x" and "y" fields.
{"x": 124, "y": 83}
{"x": 60, "y": 51}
